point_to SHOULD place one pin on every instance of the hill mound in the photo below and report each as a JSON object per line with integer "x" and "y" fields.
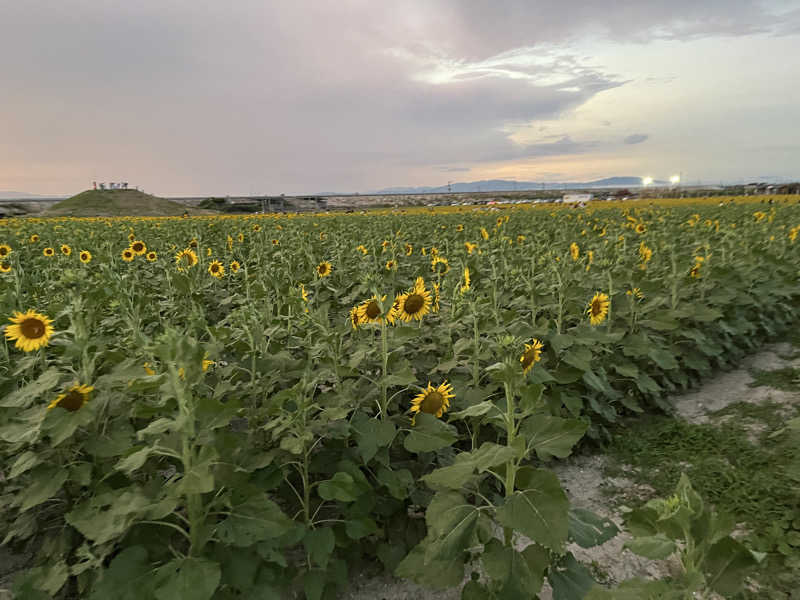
{"x": 118, "y": 203}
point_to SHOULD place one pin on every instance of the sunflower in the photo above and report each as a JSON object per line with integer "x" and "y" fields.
{"x": 465, "y": 285}
{"x": 31, "y": 330}
{"x": 256, "y": 227}
{"x": 304, "y": 294}
{"x": 73, "y": 399}
{"x": 138, "y": 247}
{"x": 362, "y": 248}
{"x": 276, "y": 242}
{"x": 470, "y": 247}
{"x": 435, "y": 305}
{"x": 414, "y": 304}
{"x": 5, "y": 250}
{"x": 598, "y": 308}
{"x": 434, "y": 251}
{"x": 217, "y": 269}
{"x": 151, "y": 256}
{"x": 324, "y": 269}
{"x": 391, "y": 265}
{"x": 48, "y": 252}
{"x": 574, "y": 251}
{"x": 240, "y": 237}
{"x": 235, "y": 266}
{"x": 433, "y": 400}
{"x": 409, "y": 249}
{"x": 531, "y": 355}
{"x": 128, "y": 255}
{"x": 440, "y": 260}
{"x": 635, "y": 293}
{"x": 520, "y": 238}
{"x": 193, "y": 243}
{"x": 229, "y": 242}
{"x": 694, "y": 273}
{"x": 34, "y": 238}
{"x": 370, "y": 311}
{"x": 459, "y": 227}
{"x": 148, "y": 369}
{"x": 484, "y": 233}
{"x": 85, "y": 256}
{"x": 641, "y": 228}
{"x": 66, "y": 250}
{"x": 5, "y": 267}
{"x": 185, "y": 259}
{"x": 131, "y": 237}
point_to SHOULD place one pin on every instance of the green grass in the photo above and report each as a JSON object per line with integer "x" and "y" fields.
{"x": 115, "y": 203}
{"x": 745, "y": 465}
{"x": 786, "y": 379}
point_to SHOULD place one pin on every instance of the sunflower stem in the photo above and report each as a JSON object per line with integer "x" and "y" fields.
{"x": 385, "y": 357}
{"x": 511, "y": 465}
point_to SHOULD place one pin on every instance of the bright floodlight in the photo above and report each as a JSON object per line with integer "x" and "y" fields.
{"x": 647, "y": 180}
{"x": 675, "y": 179}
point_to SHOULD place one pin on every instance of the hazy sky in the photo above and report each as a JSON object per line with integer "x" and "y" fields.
{"x": 255, "y": 96}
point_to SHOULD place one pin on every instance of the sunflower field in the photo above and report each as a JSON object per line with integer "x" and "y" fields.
{"x": 262, "y": 406}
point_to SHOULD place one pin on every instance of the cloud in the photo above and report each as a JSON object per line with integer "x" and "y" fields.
{"x": 636, "y": 138}
{"x": 454, "y": 169}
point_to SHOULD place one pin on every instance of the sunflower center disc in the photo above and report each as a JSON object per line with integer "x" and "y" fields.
{"x": 527, "y": 359}
{"x": 596, "y": 308}
{"x": 414, "y": 303}
{"x": 372, "y": 310}
{"x": 32, "y": 328}
{"x": 72, "y": 401}
{"x": 432, "y": 403}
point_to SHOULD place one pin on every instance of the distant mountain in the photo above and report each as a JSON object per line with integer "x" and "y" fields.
{"x": 22, "y": 196}
{"x": 504, "y": 185}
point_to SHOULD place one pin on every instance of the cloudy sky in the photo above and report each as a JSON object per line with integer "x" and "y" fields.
{"x": 193, "y": 97}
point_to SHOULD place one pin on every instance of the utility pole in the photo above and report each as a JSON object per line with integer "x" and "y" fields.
{"x": 448, "y": 186}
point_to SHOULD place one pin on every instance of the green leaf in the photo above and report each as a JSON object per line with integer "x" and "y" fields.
{"x": 47, "y": 481}
{"x": 25, "y": 461}
{"x": 255, "y": 520}
{"x": 105, "y": 516}
{"x": 371, "y": 434}
{"x": 429, "y": 434}
{"x": 25, "y": 396}
{"x": 588, "y": 529}
{"x": 637, "y": 589}
{"x": 539, "y": 510}
{"x": 435, "y": 574}
{"x": 319, "y": 543}
{"x": 451, "y": 522}
{"x": 726, "y": 565}
{"x": 452, "y": 477}
{"x": 510, "y": 572}
{"x": 476, "y": 410}
{"x": 627, "y": 370}
{"x": 314, "y": 584}
{"x": 663, "y": 358}
{"x": 553, "y": 436}
{"x": 569, "y": 579}
{"x": 399, "y": 483}
{"x": 126, "y": 578}
{"x": 579, "y": 357}
{"x": 134, "y": 461}
{"x": 340, "y": 487}
{"x": 188, "y": 579}
{"x": 359, "y": 528}
{"x": 655, "y": 547}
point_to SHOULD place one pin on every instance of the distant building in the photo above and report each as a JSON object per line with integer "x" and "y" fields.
{"x": 576, "y": 198}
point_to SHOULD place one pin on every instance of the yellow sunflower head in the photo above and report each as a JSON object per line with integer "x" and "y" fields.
{"x": 66, "y": 250}
{"x": 641, "y": 228}
{"x": 440, "y": 265}
{"x": 5, "y": 267}
{"x": 216, "y": 269}
{"x": 531, "y": 355}
{"x": 5, "y": 250}
{"x": 355, "y": 320}
{"x": 362, "y": 248}
{"x": 574, "y": 251}
{"x": 240, "y": 237}
{"x": 235, "y": 266}
{"x": 470, "y": 247}
{"x": 30, "y": 330}
{"x": 694, "y": 273}
{"x": 73, "y": 399}
{"x": 413, "y": 305}
{"x": 276, "y": 242}
{"x": 152, "y": 256}
{"x": 138, "y": 247}
{"x": 48, "y": 252}
{"x": 370, "y": 311}
{"x": 391, "y": 265}
{"x": 598, "y": 308}
{"x": 465, "y": 285}
{"x": 324, "y": 269}
{"x": 193, "y": 243}
{"x": 459, "y": 228}
{"x": 34, "y": 238}
{"x": 484, "y": 233}
{"x": 256, "y": 227}
{"x": 128, "y": 255}
{"x": 409, "y": 249}
{"x": 85, "y": 256}
{"x": 433, "y": 400}
{"x": 185, "y": 259}
{"x": 131, "y": 237}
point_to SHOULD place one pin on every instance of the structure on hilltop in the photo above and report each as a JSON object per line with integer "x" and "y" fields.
{"x": 111, "y": 186}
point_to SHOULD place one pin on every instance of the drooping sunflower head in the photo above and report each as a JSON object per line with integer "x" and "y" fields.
{"x": 531, "y": 355}
{"x": 635, "y": 293}
{"x": 5, "y": 267}
{"x": 433, "y": 400}
{"x": 151, "y": 256}
{"x": 30, "y": 330}
{"x": 440, "y": 265}
{"x": 66, "y": 250}
{"x": 48, "y": 252}
{"x": 193, "y": 243}
{"x": 138, "y": 247}
{"x": 324, "y": 269}
{"x": 303, "y": 293}
{"x": 435, "y": 304}
{"x": 465, "y": 285}
{"x": 598, "y": 308}
{"x": 73, "y": 399}
{"x": 409, "y": 249}
{"x": 235, "y": 266}
{"x": 574, "y": 251}
{"x": 216, "y": 269}
{"x": 5, "y": 250}
{"x": 85, "y": 256}
{"x": 185, "y": 259}
{"x": 413, "y": 305}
